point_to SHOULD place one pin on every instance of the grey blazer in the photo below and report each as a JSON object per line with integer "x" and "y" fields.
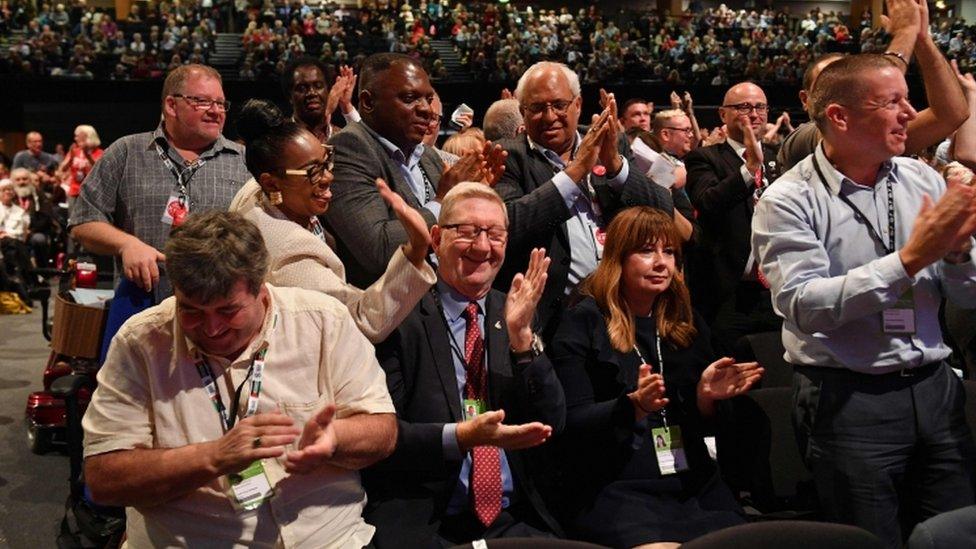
{"x": 367, "y": 232}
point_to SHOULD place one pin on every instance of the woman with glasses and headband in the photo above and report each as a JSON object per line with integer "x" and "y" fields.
{"x": 642, "y": 384}
{"x": 293, "y": 173}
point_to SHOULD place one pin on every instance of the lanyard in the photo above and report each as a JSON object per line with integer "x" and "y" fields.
{"x": 182, "y": 176}
{"x": 455, "y": 346}
{"x": 889, "y": 247}
{"x": 316, "y": 227}
{"x": 255, "y": 373}
{"x": 660, "y": 366}
{"x": 428, "y": 186}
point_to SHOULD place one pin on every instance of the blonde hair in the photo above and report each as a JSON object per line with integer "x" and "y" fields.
{"x": 465, "y": 191}
{"x": 459, "y": 143}
{"x": 630, "y": 231}
{"x": 89, "y": 131}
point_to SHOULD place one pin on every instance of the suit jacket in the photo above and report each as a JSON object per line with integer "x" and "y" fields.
{"x": 298, "y": 258}
{"x": 537, "y": 214}
{"x": 411, "y": 489}
{"x": 367, "y": 231}
{"x": 724, "y": 204}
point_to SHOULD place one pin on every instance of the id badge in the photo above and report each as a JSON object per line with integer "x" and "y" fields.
{"x": 249, "y": 488}
{"x": 473, "y": 407}
{"x": 599, "y": 239}
{"x": 669, "y": 449}
{"x": 900, "y": 318}
{"x": 175, "y": 212}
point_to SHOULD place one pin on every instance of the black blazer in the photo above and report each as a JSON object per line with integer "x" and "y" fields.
{"x": 367, "y": 232}
{"x": 537, "y": 215}
{"x": 724, "y": 205}
{"x": 411, "y": 489}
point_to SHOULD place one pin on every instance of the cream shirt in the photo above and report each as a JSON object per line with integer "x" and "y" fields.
{"x": 151, "y": 396}
{"x": 14, "y": 221}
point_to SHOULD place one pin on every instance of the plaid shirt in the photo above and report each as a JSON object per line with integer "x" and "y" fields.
{"x": 130, "y": 186}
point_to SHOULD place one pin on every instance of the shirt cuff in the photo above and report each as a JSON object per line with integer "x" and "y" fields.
{"x": 567, "y": 188}
{"x": 352, "y": 116}
{"x": 618, "y": 181}
{"x": 747, "y": 176}
{"x": 449, "y": 442}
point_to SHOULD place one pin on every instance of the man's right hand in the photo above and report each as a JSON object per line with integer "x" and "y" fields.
{"x": 488, "y": 430}
{"x": 753, "y": 152}
{"x": 260, "y": 436}
{"x": 139, "y": 262}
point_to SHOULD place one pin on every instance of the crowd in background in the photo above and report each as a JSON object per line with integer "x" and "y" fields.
{"x": 494, "y": 42}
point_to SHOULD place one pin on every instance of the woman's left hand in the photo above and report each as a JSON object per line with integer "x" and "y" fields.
{"x": 725, "y": 378}
{"x": 418, "y": 236}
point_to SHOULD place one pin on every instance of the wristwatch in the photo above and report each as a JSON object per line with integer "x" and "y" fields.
{"x": 957, "y": 258}
{"x": 535, "y": 349}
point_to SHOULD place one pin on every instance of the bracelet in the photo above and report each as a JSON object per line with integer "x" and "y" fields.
{"x": 897, "y": 55}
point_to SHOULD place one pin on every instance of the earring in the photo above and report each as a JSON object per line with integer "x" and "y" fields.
{"x": 275, "y": 198}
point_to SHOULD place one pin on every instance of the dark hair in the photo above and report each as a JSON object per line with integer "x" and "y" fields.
{"x": 265, "y": 132}
{"x": 632, "y": 101}
{"x": 288, "y": 74}
{"x": 380, "y": 62}
{"x": 843, "y": 82}
{"x": 211, "y": 251}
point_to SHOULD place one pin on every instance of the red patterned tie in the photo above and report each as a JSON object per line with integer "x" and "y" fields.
{"x": 486, "y": 469}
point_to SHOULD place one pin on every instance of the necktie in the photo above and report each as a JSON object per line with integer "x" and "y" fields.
{"x": 486, "y": 473}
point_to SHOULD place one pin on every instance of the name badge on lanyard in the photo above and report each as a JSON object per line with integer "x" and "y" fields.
{"x": 178, "y": 203}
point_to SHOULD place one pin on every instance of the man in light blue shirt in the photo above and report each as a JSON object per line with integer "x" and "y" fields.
{"x": 859, "y": 247}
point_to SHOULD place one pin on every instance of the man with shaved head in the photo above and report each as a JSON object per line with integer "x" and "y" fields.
{"x": 724, "y": 182}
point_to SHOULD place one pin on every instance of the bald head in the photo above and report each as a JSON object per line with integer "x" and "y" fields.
{"x": 744, "y": 104}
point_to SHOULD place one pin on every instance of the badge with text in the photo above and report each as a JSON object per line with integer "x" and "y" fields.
{"x": 669, "y": 449}
{"x": 473, "y": 407}
{"x": 249, "y": 488}
{"x": 175, "y": 212}
{"x": 900, "y": 318}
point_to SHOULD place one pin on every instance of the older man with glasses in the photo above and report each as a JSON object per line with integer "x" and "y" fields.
{"x": 724, "y": 182}
{"x": 147, "y": 183}
{"x": 562, "y": 187}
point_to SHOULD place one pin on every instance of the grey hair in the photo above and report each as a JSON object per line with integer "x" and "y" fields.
{"x": 502, "y": 119}
{"x": 570, "y": 74}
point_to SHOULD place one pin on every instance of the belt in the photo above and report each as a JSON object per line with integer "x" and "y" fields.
{"x": 909, "y": 375}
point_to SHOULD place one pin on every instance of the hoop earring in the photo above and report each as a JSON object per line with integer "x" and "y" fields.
{"x": 275, "y": 198}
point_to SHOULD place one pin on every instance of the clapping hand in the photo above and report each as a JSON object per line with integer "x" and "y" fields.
{"x": 418, "y": 236}
{"x": 317, "y": 445}
{"x": 260, "y": 436}
{"x": 725, "y": 378}
{"x": 650, "y": 394}
{"x": 523, "y": 297}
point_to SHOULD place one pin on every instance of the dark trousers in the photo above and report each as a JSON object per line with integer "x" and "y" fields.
{"x": 461, "y": 529}
{"x": 749, "y": 310}
{"x": 885, "y": 450}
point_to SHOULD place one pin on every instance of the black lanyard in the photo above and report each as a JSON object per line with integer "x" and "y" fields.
{"x": 210, "y": 385}
{"x": 182, "y": 176}
{"x": 889, "y": 247}
{"x": 455, "y": 347}
{"x": 428, "y": 186}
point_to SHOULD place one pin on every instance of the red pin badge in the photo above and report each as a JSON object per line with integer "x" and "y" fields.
{"x": 177, "y": 211}
{"x": 599, "y": 170}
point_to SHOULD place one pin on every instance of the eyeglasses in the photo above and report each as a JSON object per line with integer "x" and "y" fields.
{"x": 204, "y": 104}
{"x": 560, "y": 107}
{"x": 469, "y": 232}
{"x": 315, "y": 173}
{"x": 746, "y": 108}
{"x": 688, "y": 131}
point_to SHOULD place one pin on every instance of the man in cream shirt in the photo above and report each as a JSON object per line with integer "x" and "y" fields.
{"x": 236, "y": 413}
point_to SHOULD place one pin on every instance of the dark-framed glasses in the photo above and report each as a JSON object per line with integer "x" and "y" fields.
{"x": 204, "y": 104}
{"x": 469, "y": 232}
{"x": 687, "y": 131}
{"x": 315, "y": 173}
{"x": 746, "y": 108}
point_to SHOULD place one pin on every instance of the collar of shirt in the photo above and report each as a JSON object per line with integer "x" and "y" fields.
{"x": 218, "y": 146}
{"x": 739, "y": 148}
{"x": 395, "y": 152}
{"x": 835, "y": 179}
{"x": 551, "y": 155}
{"x": 454, "y": 303}
{"x": 262, "y": 339}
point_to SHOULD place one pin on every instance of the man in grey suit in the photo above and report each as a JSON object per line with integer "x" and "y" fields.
{"x": 562, "y": 188}
{"x": 395, "y": 103}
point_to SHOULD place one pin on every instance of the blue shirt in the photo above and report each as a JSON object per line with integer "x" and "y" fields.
{"x": 453, "y": 305}
{"x": 831, "y": 280}
{"x": 586, "y": 213}
{"x": 412, "y": 172}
